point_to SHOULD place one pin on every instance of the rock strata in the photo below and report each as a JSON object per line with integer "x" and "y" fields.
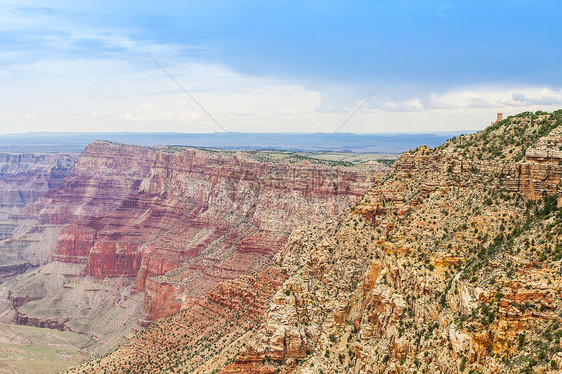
{"x": 24, "y": 178}
{"x": 168, "y": 225}
{"x": 447, "y": 266}
{"x": 450, "y": 264}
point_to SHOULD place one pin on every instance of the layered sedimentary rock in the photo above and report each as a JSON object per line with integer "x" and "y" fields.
{"x": 7, "y": 271}
{"x": 537, "y": 174}
{"x": 24, "y": 179}
{"x": 451, "y": 264}
{"x": 204, "y": 217}
{"x": 155, "y": 230}
{"x": 448, "y": 266}
{"x": 104, "y": 174}
{"x": 223, "y": 319}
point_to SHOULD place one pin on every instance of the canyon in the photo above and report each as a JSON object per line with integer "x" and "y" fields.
{"x": 126, "y": 234}
{"x": 449, "y": 264}
{"x": 24, "y": 179}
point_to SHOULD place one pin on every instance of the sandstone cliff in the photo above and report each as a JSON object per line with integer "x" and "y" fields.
{"x": 203, "y": 217}
{"x": 201, "y": 338}
{"x": 26, "y": 177}
{"x": 103, "y": 175}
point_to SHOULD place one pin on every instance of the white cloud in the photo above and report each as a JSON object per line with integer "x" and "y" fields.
{"x": 473, "y": 98}
{"x": 106, "y": 95}
{"x": 161, "y": 112}
{"x": 545, "y": 97}
{"x": 55, "y": 89}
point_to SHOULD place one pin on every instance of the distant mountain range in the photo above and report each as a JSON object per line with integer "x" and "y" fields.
{"x": 53, "y": 142}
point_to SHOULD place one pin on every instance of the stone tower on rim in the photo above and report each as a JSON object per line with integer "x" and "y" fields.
{"x": 499, "y": 117}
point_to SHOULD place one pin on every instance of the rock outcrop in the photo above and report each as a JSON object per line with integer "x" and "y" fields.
{"x": 24, "y": 179}
{"x": 102, "y": 177}
{"x": 97, "y": 183}
{"x": 223, "y": 319}
{"x": 451, "y": 264}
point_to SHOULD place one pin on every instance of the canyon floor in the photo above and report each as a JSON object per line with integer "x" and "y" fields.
{"x": 25, "y": 349}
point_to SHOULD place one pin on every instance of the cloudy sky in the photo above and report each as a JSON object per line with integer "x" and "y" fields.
{"x": 278, "y": 65}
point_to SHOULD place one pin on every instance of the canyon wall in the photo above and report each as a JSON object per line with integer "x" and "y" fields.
{"x": 450, "y": 264}
{"x": 97, "y": 183}
{"x": 67, "y": 190}
{"x": 24, "y": 179}
{"x": 102, "y": 177}
{"x": 158, "y": 229}
{"x": 203, "y": 217}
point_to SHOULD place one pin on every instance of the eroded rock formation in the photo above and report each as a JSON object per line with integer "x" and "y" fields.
{"x": 203, "y": 217}
{"x": 24, "y": 179}
{"x": 451, "y": 264}
{"x": 97, "y": 183}
{"x": 170, "y": 224}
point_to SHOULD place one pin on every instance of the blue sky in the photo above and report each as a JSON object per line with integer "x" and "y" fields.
{"x": 275, "y": 65}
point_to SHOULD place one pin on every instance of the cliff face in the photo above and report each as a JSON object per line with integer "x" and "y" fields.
{"x": 451, "y": 264}
{"x": 166, "y": 226}
{"x": 24, "y": 179}
{"x": 103, "y": 175}
{"x": 240, "y": 213}
{"x": 97, "y": 183}
{"x": 225, "y": 319}
{"x": 203, "y": 217}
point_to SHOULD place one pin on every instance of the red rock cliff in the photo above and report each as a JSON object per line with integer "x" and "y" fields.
{"x": 97, "y": 183}
{"x": 103, "y": 176}
{"x": 26, "y": 177}
{"x": 203, "y": 217}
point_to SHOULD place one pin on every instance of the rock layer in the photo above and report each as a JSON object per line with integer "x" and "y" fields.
{"x": 451, "y": 264}
{"x": 104, "y": 174}
{"x": 167, "y": 226}
{"x": 445, "y": 267}
{"x": 203, "y": 217}
{"x": 223, "y": 319}
{"x": 24, "y": 179}
{"x": 102, "y": 177}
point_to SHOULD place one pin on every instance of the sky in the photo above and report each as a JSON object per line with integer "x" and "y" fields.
{"x": 275, "y": 66}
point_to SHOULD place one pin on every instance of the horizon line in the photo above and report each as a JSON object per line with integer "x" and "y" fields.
{"x": 458, "y": 132}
